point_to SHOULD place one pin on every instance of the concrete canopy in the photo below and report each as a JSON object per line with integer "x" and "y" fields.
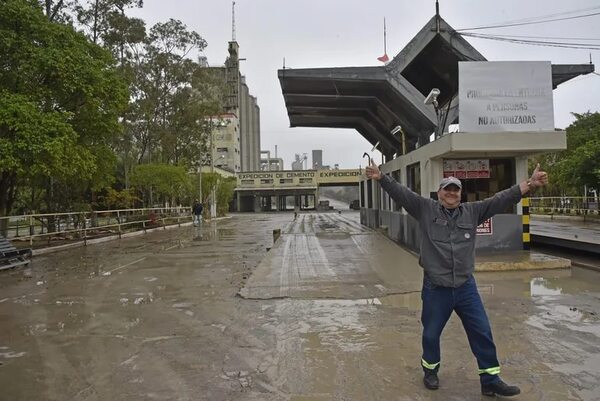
{"x": 375, "y": 100}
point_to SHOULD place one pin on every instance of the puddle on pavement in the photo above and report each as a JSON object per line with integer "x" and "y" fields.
{"x": 333, "y": 235}
{"x": 577, "y": 282}
{"x": 225, "y": 233}
{"x": 337, "y": 323}
{"x": 411, "y": 301}
{"x": 541, "y": 286}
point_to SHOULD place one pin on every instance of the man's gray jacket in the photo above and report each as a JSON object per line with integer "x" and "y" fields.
{"x": 448, "y": 241}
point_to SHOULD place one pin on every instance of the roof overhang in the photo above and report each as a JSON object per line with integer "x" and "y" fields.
{"x": 375, "y": 100}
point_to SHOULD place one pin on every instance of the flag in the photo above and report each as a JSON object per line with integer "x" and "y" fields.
{"x": 384, "y": 58}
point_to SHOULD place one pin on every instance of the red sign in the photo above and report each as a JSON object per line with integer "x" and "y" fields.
{"x": 485, "y": 228}
{"x": 469, "y": 169}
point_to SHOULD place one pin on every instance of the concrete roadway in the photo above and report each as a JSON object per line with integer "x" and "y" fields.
{"x": 566, "y": 231}
{"x": 331, "y": 312}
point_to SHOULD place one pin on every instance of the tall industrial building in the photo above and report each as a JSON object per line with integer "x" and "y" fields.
{"x": 236, "y": 139}
{"x": 317, "y": 159}
{"x": 249, "y": 129}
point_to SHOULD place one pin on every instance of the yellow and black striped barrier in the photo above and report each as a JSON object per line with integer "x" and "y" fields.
{"x": 526, "y": 235}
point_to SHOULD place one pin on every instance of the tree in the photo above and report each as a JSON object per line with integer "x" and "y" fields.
{"x": 55, "y": 10}
{"x": 167, "y": 116}
{"x": 106, "y": 24}
{"x": 579, "y": 164}
{"x": 168, "y": 183}
{"x": 60, "y": 97}
{"x": 124, "y": 199}
{"x": 224, "y": 195}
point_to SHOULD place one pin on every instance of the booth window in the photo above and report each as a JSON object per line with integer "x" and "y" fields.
{"x": 413, "y": 177}
{"x": 370, "y": 194}
{"x": 502, "y": 173}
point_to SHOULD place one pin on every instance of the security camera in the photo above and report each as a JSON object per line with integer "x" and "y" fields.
{"x": 432, "y": 97}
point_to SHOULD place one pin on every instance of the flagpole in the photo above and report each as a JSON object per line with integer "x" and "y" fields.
{"x": 384, "y": 58}
{"x": 384, "y": 38}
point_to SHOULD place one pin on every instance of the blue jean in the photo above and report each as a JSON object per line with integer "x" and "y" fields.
{"x": 438, "y": 304}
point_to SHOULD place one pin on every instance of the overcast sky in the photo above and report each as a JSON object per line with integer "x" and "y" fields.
{"x": 345, "y": 33}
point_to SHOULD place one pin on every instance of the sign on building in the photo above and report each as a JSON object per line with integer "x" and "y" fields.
{"x": 498, "y": 96}
{"x": 470, "y": 168}
{"x": 485, "y": 228}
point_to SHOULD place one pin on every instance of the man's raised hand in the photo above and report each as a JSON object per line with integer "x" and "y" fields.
{"x": 539, "y": 178}
{"x": 373, "y": 171}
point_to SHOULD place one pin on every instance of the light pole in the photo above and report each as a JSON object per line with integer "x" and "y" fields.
{"x": 200, "y": 182}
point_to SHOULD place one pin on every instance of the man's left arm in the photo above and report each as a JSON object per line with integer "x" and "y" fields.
{"x": 499, "y": 202}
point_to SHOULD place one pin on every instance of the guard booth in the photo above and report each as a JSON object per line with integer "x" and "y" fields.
{"x": 506, "y": 117}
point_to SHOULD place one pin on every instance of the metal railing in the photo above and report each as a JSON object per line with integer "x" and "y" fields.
{"x": 42, "y": 230}
{"x": 568, "y": 206}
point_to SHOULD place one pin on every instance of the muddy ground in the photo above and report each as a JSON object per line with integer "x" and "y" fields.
{"x": 331, "y": 312}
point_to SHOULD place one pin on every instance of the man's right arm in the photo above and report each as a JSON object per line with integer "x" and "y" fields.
{"x": 412, "y": 202}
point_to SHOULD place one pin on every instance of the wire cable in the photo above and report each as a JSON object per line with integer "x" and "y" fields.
{"x": 538, "y": 37}
{"x": 568, "y": 45}
{"x": 549, "y": 15}
{"x": 528, "y": 23}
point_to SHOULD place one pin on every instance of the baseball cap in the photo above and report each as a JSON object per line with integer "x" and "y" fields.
{"x": 450, "y": 181}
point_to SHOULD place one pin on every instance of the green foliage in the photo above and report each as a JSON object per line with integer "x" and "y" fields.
{"x": 34, "y": 143}
{"x": 209, "y": 181}
{"x": 124, "y": 199}
{"x": 578, "y": 165}
{"x": 69, "y": 127}
{"x": 224, "y": 195}
{"x": 102, "y": 18}
{"x": 56, "y": 10}
{"x": 105, "y": 23}
{"x": 165, "y": 181}
{"x": 60, "y": 98}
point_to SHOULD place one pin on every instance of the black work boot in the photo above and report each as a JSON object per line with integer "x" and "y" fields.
{"x": 431, "y": 380}
{"x": 500, "y": 388}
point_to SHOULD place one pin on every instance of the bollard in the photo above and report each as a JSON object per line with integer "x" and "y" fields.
{"x": 525, "y": 218}
{"x": 276, "y": 234}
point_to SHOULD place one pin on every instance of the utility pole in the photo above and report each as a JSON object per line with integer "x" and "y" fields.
{"x": 213, "y": 205}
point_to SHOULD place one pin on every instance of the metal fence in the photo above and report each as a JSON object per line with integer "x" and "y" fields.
{"x": 561, "y": 205}
{"x": 41, "y": 230}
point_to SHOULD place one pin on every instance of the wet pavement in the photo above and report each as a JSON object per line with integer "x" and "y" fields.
{"x": 568, "y": 228}
{"x": 163, "y": 317}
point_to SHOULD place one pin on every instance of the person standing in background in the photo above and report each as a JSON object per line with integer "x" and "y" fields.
{"x": 197, "y": 211}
